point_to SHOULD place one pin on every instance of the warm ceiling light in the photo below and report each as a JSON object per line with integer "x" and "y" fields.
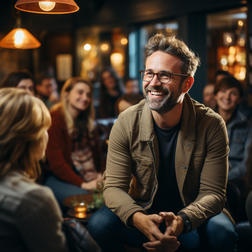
{"x": 124, "y": 41}
{"x": 104, "y": 47}
{"x": 47, "y": 7}
{"x": 19, "y": 38}
{"x": 240, "y": 23}
{"x": 87, "y": 47}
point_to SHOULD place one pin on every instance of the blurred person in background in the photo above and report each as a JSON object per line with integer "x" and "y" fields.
{"x": 220, "y": 74}
{"x": 126, "y": 101}
{"x": 54, "y": 97}
{"x": 44, "y": 88}
{"x": 246, "y": 104}
{"x": 30, "y": 217}
{"x": 208, "y": 96}
{"x": 110, "y": 91}
{"x": 132, "y": 86}
{"x": 74, "y": 155}
{"x": 19, "y": 79}
{"x": 228, "y": 94}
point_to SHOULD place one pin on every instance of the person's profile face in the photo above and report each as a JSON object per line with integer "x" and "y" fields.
{"x": 27, "y": 84}
{"x": 208, "y": 96}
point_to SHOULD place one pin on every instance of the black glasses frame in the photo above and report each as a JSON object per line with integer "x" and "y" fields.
{"x": 142, "y": 71}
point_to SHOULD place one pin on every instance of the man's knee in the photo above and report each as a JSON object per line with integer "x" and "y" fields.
{"x": 221, "y": 232}
{"x": 101, "y": 221}
{"x": 220, "y": 224}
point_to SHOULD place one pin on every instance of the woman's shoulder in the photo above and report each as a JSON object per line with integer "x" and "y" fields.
{"x": 58, "y": 118}
{"x": 18, "y": 190}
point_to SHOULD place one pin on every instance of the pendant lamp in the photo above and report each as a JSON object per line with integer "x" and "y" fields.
{"x": 48, "y": 6}
{"x": 19, "y": 38}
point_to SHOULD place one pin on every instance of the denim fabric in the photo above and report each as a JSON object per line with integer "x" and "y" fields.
{"x": 62, "y": 190}
{"x": 216, "y": 234}
{"x": 240, "y": 136}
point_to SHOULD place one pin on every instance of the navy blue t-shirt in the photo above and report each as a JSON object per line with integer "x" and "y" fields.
{"x": 167, "y": 197}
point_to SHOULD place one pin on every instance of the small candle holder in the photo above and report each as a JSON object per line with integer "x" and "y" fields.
{"x": 80, "y": 210}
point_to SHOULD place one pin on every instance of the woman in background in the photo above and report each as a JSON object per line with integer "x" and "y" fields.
{"x": 19, "y": 79}
{"x": 110, "y": 91}
{"x": 74, "y": 155}
{"x": 30, "y": 218}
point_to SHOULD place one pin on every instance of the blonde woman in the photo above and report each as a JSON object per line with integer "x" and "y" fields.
{"x": 30, "y": 218}
{"x": 74, "y": 156}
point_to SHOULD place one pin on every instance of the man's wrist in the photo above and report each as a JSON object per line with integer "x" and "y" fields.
{"x": 135, "y": 217}
{"x": 187, "y": 223}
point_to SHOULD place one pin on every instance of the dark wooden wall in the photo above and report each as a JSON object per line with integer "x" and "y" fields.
{"x": 109, "y": 12}
{"x": 59, "y": 30}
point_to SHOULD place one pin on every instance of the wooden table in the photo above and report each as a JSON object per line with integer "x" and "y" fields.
{"x": 68, "y": 202}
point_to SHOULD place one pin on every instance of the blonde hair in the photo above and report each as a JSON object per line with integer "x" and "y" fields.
{"x": 24, "y": 119}
{"x": 86, "y": 117}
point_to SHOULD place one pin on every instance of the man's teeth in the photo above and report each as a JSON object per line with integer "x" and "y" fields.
{"x": 156, "y": 93}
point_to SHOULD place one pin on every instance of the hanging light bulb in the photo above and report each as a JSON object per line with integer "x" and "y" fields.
{"x": 47, "y": 6}
{"x": 19, "y": 38}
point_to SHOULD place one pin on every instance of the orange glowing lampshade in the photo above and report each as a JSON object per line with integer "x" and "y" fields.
{"x": 47, "y": 6}
{"x": 19, "y": 38}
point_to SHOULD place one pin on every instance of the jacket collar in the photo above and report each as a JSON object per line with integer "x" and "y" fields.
{"x": 146, "y": 124}
{"x": 238, "y": 119}
{"x": 188, "y": 121}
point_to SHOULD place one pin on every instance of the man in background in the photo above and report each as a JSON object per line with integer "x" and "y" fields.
{"x": 132, "y": 86}
{"x": 208, "y": 96}
{"x": 45, "y": 85}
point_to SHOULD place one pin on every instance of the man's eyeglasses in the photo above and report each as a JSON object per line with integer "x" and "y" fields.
{"x": 163, "y": 76}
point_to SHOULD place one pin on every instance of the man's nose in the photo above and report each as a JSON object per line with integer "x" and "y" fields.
{"x": 155, "y": 81}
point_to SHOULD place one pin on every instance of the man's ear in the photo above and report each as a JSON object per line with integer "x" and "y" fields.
{"x": 187, "y": 84}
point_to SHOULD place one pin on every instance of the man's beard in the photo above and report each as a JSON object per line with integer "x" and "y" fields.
{"x": 161, "y": 105}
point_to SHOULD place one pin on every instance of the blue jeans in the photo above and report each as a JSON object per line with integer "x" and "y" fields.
{"x": 217, "y": 234}
{"x": 62, "y": 190}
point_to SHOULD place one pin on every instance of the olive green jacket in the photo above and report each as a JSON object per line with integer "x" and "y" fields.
{"x": 201, "y": 162}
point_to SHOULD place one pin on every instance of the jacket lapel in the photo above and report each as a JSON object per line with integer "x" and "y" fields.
{"x": 185, "y": 142}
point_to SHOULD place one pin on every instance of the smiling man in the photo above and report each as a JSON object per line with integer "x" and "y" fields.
{"x": 177, "y": 150}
